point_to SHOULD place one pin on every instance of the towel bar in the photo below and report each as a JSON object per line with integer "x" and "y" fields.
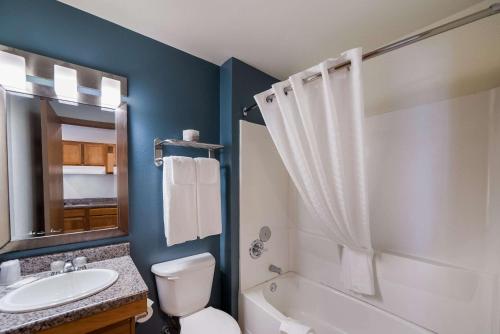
{"x": 158, "y": 148}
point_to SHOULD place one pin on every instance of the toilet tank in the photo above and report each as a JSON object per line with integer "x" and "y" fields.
{"x": 184, "y": 285}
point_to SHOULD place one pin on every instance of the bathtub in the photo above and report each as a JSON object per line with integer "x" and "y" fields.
{"x": 326, "y": 310}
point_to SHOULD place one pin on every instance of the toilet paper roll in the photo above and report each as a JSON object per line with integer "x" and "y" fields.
{"x": 190, "y": 135}
{"x": 140, "y": 318}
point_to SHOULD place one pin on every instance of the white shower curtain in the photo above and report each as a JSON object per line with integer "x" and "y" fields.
{"x": 318, "y": 131}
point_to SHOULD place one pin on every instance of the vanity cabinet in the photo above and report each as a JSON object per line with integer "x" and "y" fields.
{"x": 119, "y": 320}
{"x": 102, "y": 218}
{"x": 74, "y": 220}
{"x": 89, "y": 219}
{"x": 122, "y": 327}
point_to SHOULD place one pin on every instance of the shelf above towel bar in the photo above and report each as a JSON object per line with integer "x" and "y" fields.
{"x": 158, "y": 148}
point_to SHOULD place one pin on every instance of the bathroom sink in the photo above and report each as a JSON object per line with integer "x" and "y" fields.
{"x": 57, "y": 290}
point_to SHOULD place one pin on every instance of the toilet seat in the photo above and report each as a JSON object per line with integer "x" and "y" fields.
{"x": 209, "y": 321}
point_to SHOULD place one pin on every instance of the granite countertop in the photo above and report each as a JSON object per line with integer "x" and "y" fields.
{"x": 128, "y": 288}
{"x": 90, "y": 203}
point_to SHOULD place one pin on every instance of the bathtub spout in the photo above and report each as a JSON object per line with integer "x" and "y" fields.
{"x": 275, "y": 269}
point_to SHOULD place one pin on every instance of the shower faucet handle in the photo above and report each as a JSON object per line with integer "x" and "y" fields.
{"x": 256, "y": 249}
{"x": 265, "y": 234}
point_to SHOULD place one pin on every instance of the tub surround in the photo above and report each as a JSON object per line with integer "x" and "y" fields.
{"x": 129, "y": 288}
{"x": 78, "y": 203}
{"x": 268, "y": 305}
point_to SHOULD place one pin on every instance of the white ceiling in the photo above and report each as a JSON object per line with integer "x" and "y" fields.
{"x": 280, "y": 37}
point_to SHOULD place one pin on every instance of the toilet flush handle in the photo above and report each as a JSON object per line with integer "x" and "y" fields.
{"x": 172, "y": 278}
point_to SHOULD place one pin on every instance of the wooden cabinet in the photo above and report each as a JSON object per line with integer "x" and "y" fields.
{"x": 85, "y": 219}
{"x": 103, "y": 211}
{"x": 72, "y": 153}
{"x": 119, "y": 320}
{"x": 73, "y": 213}
{"x": 94, "y": 154}
{"x": 89, "y": 154}
{"x": 110, "y": 158}
{"x": 100, "y": 218}
{"x": 100, "y": 222}
{"x": 75, "y": 224}
{"x": 122, "y": 327}
{"x": 75, "y": 220}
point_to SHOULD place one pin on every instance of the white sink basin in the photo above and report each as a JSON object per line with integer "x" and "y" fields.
{"x": 57, "y": 290}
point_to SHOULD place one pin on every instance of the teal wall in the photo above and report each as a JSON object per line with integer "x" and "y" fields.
{"x": 169, "y": 90}
{"x": 239, "y": 82}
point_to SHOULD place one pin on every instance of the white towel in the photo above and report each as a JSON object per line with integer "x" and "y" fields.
{"x": 357, "y": 271}
{"x": 179, "y": 199}
{"x": 292, "y": 326}
{"x": 208, "y": 196}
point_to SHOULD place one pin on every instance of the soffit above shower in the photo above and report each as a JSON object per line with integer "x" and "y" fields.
{"x": 278, "y": 37}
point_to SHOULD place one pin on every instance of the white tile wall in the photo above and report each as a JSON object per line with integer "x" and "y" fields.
{"x": 89, "y": 186}
{"x": 263, "y": 201}
{"x": 433, "y": 184}
{"x": 428, "y": 173}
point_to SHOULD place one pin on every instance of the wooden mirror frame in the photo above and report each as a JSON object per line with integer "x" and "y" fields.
{"x": 91, "y": 86}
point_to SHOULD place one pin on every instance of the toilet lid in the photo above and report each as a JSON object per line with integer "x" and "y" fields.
{"x": 209, "y": 321}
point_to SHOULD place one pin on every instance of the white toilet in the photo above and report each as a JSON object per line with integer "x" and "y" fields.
{"x": 184, "y": 287}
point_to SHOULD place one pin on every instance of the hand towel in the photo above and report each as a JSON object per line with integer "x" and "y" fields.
{"x": 208, "y": 196}
{"x": 292, "y": 326}
{"x": 179, "y": 199}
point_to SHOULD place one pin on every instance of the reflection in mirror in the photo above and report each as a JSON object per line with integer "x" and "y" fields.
{"x": 61, "y": 166}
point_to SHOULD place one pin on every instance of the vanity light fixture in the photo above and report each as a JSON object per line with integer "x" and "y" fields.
{"x": 110, "y": 93}
{"x": 65, "y": 83}
{"x": 12, "y": 71}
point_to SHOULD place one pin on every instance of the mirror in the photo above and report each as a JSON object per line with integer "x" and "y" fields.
{"x": 62, "y": 171}
{"x": 61, "y": 166}
{"x": 63, "y": 153}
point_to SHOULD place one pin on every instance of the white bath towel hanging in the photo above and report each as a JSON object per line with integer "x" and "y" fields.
{"x": 208, "y": 196}
{"x": 179, "y": 199}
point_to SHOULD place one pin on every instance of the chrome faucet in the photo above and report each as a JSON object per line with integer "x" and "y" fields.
{"x": 61, "y": 267}
{"x": 275, "y": 269}
{"x": 68, "y": 266}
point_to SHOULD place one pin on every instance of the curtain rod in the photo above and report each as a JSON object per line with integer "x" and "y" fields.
{"x": 491, "y": 10}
